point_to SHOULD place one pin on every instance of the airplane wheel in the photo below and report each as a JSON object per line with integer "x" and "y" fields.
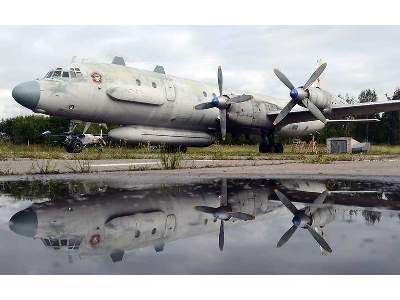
{"x": 278, "y": 148}
{"x": 77, "y": 146}
{"x": 264, "y": 148}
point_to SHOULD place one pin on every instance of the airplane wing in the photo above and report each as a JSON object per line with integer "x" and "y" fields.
{"x": 303, "y": 114}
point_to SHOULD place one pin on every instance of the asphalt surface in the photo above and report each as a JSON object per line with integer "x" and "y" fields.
{"x": 389, "y": 167}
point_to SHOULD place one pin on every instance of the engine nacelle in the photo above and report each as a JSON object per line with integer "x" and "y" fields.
{"x": 161, "y": 136}
{"x": 320, "y": 98}
{"x": 300, "y": 129}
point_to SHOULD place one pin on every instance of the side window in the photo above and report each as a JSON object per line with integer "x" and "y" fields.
{"x": 65, "y": 74}
{"x": 138, "y": 82}
{"x": 49, "y": 74}
{"x": 154, "y": 85}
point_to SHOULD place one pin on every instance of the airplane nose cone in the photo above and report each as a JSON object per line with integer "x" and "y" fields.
{"x": 24, "y": 223}
{"x": 27, "y": 94}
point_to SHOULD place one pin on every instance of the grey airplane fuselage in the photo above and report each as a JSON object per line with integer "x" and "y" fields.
{"x": 109, "y": 93}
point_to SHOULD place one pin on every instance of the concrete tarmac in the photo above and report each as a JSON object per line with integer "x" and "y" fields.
{"x": 388, "y": 167}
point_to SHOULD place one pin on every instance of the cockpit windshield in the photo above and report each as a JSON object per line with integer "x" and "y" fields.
{"x": 64, "y": 73}
{"x": 57, "y": 243}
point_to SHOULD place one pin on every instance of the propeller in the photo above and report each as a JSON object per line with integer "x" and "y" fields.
{"x": 303, "y": 218}
{"x": 223, "y": 213}
{"x": 222, "y": 102}
{"x": 300, "y": 95}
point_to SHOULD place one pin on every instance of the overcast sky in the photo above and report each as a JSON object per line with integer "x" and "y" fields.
{"x": 358, "y": 57}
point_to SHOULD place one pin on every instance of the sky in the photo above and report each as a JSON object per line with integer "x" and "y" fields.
{"x": 358, "y": 57}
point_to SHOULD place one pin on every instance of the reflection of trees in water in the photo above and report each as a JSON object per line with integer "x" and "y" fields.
{"x": 52, "y": 189}
{"x": 372, "y": 217}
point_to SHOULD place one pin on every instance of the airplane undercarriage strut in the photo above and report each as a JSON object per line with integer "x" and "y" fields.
{"x": 268, "y": 144}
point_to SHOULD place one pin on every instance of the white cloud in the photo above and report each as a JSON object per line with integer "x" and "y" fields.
{"x": 358, "y": 57}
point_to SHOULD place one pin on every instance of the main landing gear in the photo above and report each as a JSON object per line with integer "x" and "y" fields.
{"x": 268, "y": 144}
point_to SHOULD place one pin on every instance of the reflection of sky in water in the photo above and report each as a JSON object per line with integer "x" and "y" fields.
{"x": 359, "y": 245}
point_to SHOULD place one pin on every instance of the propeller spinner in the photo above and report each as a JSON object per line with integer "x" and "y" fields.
{"x": 223, "y": 213}
{"x": 303, "y": 218}
{"x": 222, "y": 102}
{"x": 300, "y": 95}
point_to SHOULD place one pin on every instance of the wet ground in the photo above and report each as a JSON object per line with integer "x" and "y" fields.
{"x": 118, "y": 224}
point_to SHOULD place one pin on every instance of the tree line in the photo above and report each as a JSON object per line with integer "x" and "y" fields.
{"x": 28, "y": 129}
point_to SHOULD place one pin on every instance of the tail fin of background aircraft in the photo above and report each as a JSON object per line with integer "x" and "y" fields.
{"x": 321, "y": 78}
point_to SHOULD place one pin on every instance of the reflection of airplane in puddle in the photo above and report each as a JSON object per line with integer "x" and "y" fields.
{"x": 118, "y": 219}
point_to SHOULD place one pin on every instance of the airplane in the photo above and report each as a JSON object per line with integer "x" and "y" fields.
{"x": 160, "y": 109}
{"x": 115, "y": 220}
{"x": 75, "y": 143}
{"x": 118, "y": 217}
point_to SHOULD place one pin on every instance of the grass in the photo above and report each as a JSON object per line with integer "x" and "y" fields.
{"x": 80, "y": 166}
{"x": 45, "y": 166}
{"x": 214, "y": 152}
{"x": 170, "y": 161}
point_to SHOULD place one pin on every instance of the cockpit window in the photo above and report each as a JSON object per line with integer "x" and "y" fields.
{"x": 71, "y": 243}
{"x": 64, "y": 73}
{"x": 78, "y": 72}
{"x": 57, "y": 74}
{"x": 49, "y": 74}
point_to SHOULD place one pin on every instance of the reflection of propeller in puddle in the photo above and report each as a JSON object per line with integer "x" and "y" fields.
{"x": 303, "y": 218}
{"x": 223, "y": 213}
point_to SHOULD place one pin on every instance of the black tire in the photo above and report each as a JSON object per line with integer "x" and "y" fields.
{"x": 77, "y": 146}
{"x": 278, "y": 148}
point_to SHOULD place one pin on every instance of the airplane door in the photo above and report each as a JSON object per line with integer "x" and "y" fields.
{"x": 170, "y": 225}
{"x": 169, "y": 89}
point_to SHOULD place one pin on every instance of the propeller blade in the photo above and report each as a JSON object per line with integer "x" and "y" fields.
{"x": 284, "y": 79}
{"x": 289, "y": 205}
{"x": 286, "y": 236}
{"x": 241, "y": 98}
{"x": 320, "y": 240}
{"x": 205, "y": 209}
{"x": 222, "y": 122}
{"x": 221, "y": 237}
{"x": 242, "y": 216}
{"x": 284, "y": 112}
{"x": 319, "y": 201}
{"x": 220, "y": 80}
{"x": 314, "y": 110}
{"x": 201, "y": 106}
{"x": 224, "y": 193}
{"x": 315, "y": 75}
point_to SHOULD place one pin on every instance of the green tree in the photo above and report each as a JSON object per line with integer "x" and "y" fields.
{"x": 394, "y": 121}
